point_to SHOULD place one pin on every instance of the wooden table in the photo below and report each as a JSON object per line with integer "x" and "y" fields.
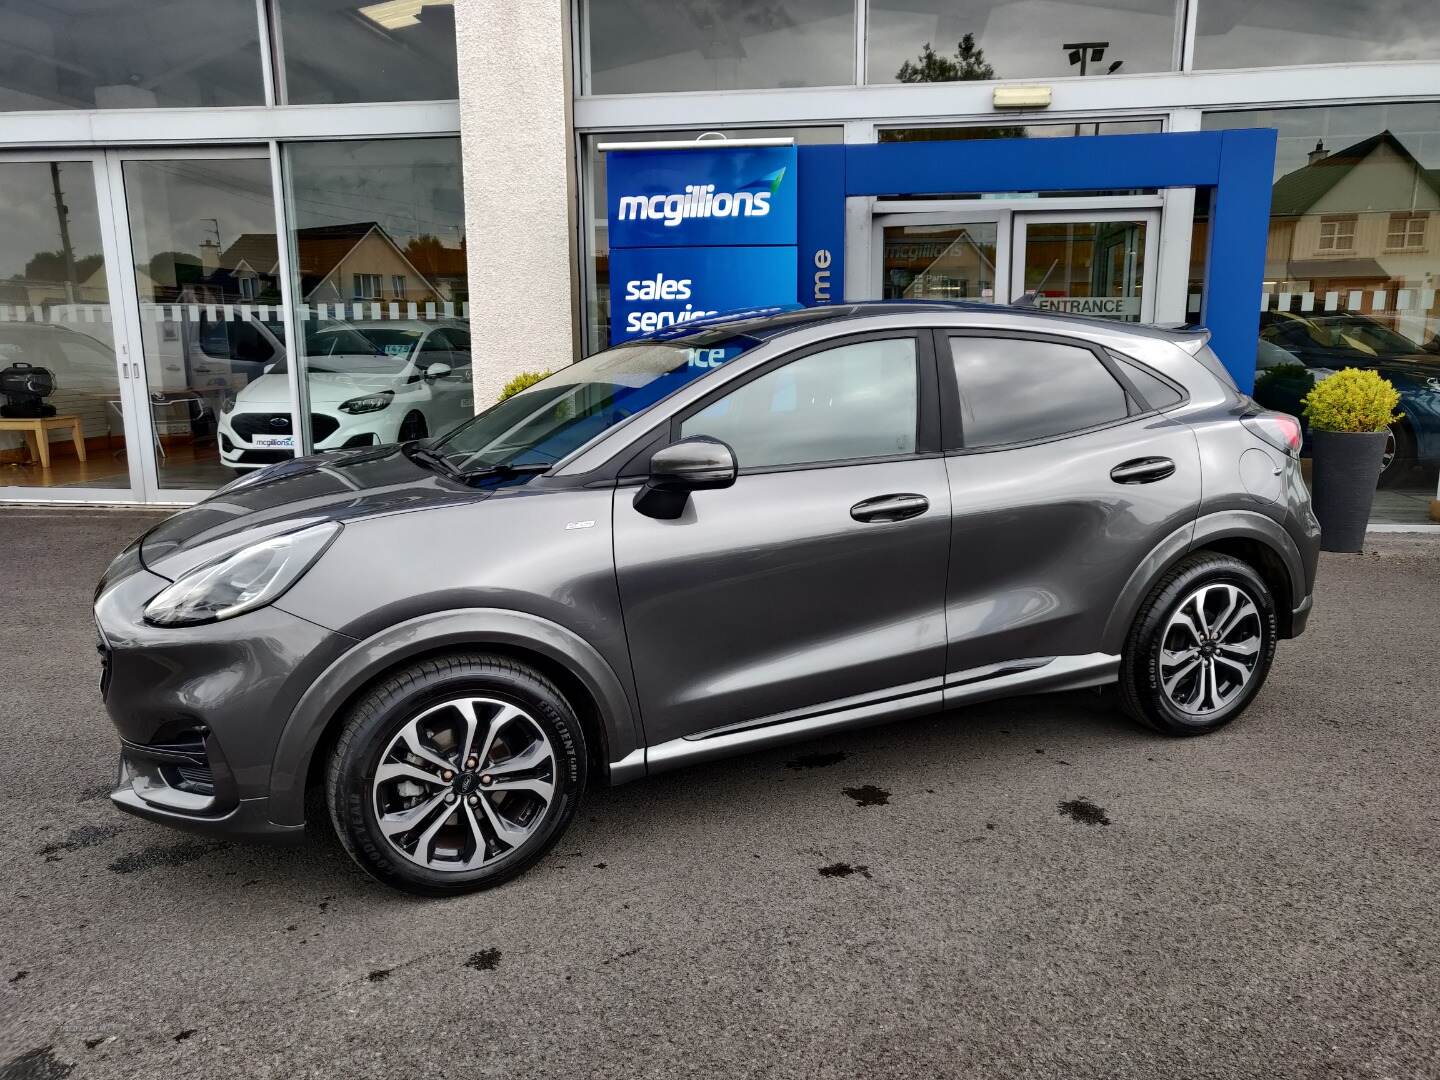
{"x": 37, "y": 434}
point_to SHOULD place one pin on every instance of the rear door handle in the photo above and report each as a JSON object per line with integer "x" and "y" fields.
{"x": 1145, "y": 470}
{"x": 890, "y": 507}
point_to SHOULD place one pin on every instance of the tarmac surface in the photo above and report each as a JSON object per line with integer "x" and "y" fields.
{"x": 1033, "y": 888}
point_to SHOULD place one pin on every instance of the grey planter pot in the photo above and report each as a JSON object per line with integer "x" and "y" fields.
{"x": 1346, "y": 469}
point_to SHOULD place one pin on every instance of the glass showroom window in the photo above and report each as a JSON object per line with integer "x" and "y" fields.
{"x": 391, "y": 50}
{"x": 129, "y": 54}
{"x": 653, "y": 46}
{"x": 1230, "y": 34}
{"x": 953, "y": 40}
{"x": 596, "y": 259}
{"x": 363, "y": 213}
{"x": 1350, "y": 279}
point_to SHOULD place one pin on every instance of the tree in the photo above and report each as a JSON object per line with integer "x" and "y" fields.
{"x": 50, "y": 266}
{"x": 967, "y": 65}
{"x": 177, "y": 268}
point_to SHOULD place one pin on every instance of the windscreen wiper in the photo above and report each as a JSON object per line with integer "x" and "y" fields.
{"x": 504, "y": 472}
{"x": 438, "y": 462}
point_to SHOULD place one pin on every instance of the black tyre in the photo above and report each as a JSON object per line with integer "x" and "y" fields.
{"x": 456, "y": 774}
{"x": 1399, "y": 456}
{"x": 1200, "y": 647}
{"x": 413, "y": 427}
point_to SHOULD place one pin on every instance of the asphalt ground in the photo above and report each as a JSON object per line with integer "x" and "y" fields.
{"x": 1034, "y": 888}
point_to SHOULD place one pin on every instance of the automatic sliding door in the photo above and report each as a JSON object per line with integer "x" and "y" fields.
{"x": 63, "y": 403}
{"x": 943, "y": 257}
{"x": 1089, "y": 263}
{"x": 207, "y": 311}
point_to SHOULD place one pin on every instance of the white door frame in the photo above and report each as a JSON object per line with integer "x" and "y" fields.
{"x": 134, "y": 424}
{"x": 1150, "y": 274}
{"x": 147, "y": 486}
{"x": 866, "y": 248}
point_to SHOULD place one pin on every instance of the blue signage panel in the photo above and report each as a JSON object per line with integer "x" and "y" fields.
{"x": 652, "y": 288}
{"x": 821, "y": 258}
{"x": 740, "y": 196}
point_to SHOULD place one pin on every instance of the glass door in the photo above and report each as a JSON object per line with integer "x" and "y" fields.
{"x": 67, "y": 420}
{"x": 943, "y": 256}
{"x": 197, "y": 235}
{"x": 1089, "y": 262}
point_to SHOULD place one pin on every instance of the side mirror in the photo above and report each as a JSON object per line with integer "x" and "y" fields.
{"x": 437, "y": 371}
{"x": 699, "y": 463}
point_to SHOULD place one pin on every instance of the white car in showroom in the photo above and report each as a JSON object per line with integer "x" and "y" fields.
{"x": 370, "y": 382}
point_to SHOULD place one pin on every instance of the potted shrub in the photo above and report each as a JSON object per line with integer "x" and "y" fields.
{"x": 523, "y": 381}
{"x": 1350, "y": 414}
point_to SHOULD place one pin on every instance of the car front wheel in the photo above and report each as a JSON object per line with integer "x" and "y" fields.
{"x": 1200, "y": 647}
{"x": 456, "y": 774}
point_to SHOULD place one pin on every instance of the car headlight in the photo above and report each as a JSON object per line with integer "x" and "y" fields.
{"x": 227, "y": 402}
{"x": 368, "y": 403}
{"x": 241, "y": 581}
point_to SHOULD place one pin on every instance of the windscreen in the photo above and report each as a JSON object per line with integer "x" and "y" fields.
{"x": 547, "y": 421}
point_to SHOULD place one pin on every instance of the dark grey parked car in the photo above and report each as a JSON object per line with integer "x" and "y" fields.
{"x": 722, "y": 537}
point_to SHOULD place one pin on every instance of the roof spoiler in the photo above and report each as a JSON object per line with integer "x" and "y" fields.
{"x": 1188, "y": 336}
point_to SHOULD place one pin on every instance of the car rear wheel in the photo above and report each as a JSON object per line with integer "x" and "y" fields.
{"x": 1200, "y": 647}
{"x": 456, "y": 774}
{"x": 1399, "y": 456}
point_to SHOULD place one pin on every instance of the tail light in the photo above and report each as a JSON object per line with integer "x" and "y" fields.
{"x": 1280, "y": 430}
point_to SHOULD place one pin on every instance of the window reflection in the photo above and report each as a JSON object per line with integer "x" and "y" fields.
{"x": 1232, "y": 34}
{"x": 960, "y": 40}
{"x": 651, "y": 46}
{"x": 129, "y": 54}
{"x": 1353, "y": 262}
{"x": 390, "y": 50}
{"x": 381, "y": 295}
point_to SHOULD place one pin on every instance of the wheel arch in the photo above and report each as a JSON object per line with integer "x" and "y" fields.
{"x": 1253, "y": 538}
{"x": 581, "y": 673}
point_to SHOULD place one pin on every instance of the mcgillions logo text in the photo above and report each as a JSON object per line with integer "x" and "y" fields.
{"x": 702, "y": 201}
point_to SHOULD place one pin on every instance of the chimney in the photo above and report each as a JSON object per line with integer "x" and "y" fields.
{"x": 209, "y": 256}
{"x": 1318, "y": 154}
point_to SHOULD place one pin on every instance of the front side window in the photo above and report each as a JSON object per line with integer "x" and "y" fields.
{"x": 1014, "y": 390}
{"x": 854, "y": 401}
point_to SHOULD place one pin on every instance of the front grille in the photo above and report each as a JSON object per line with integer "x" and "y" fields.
{"x": 263, "y": 457}
{"x": 248, "y": 425}
{"x": 185, "y": 762}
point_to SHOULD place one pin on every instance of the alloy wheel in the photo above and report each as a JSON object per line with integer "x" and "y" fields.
{"x": 1210, "y": 648}
{"x": 464, "y": 783}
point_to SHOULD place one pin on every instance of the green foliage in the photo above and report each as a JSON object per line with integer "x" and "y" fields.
{"x": 1352, "y": 400}
{"x": 520, "y": 382}
{"x": 968, "y": 64}
{"x": 1281, "y": 374}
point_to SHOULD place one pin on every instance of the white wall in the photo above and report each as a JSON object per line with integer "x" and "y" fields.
{"x": 519, "y": 188}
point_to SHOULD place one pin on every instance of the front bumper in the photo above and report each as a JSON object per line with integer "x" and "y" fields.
{"x": 200, "y": 709}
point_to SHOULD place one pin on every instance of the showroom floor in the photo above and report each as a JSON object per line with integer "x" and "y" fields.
{"x": 1027, "y": 889}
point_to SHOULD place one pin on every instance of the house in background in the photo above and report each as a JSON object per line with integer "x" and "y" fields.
{"x": 1363, "y": 219}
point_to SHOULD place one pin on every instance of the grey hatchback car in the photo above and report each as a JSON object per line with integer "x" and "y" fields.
{"x": 718, "y": 538}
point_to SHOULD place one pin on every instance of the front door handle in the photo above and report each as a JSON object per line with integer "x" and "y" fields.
{"x": 890, "y": 507}
{"x": 1145, "y": 470}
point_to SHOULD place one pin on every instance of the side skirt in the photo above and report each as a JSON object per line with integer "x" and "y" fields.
{"x": 1027, "y": 676}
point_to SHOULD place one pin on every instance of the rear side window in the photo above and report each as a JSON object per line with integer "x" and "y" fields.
{"x": 1017, "y": 390}
{"x": 853, "y": 401}
{"x": 1158, "y": 393}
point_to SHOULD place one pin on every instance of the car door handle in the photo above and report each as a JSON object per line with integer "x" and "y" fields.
{"x": 1145, "y": 470}
{"x": 890, "y": 507}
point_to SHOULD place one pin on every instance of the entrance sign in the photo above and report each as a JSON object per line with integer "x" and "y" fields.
{"x": 1114, "y": 307}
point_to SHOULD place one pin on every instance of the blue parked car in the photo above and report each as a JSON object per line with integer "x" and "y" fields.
{"x": 1296, "y": 351}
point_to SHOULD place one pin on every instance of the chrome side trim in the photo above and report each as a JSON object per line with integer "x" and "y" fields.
{"x": 827, "y": 708}
{"x": 973, "y": 684}
{"x": 1031, "y": 676}
{"x": 676, "y": 752}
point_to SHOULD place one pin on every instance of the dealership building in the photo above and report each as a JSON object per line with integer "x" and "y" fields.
{"x": 237, "y": 230}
